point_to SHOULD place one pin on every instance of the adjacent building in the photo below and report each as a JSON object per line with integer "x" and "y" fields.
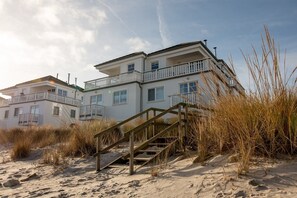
{"x": 187, "y": 72}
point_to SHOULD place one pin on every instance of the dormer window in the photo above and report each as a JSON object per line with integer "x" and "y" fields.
{"x": 130, "y": 68}
{"x": 155, "y": 65}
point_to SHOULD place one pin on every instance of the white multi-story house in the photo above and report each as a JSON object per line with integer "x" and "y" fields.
{"x": 43, "y": 101}
{"x": 187, "y": 72}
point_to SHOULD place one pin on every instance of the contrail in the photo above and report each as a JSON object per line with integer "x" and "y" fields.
{"x": 162, "y": 26}
{"x": 118, "y": 17}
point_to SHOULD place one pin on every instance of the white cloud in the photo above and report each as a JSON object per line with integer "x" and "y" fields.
{"x": 165, "y": 37}
{"x": 137, "y": 44}
{"x": 48, "y": 15}
{"x": 107, "y": 47}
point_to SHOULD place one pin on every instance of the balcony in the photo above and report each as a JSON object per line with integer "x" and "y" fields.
{"x": 29, "y": 119}
{"x": 91, "y": 112}
{"x": 113, "y": 80}
{"x": 44, "y": 96}
{"x": 175, "y": 71}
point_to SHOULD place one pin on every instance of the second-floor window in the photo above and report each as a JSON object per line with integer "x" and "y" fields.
{"x": 131, "y": 67}
{"x": 156, "y": 94}
{"x": 18, "y": 111}
{"x": 120, "y": 97}
{"x": 62, "y": 92}
{"x": 154, "y": 65}
{"x": 189, "y": 87}
{"x": 97, "y": 99}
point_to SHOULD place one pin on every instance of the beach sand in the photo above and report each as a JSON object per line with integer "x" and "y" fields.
{"x": 179, "y": 177}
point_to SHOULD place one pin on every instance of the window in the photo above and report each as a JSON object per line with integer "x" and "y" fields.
{"x": 97, "y": 99}
{"x": 190, "y": 87}
{"x": 72, "y": 113}
{"x": 131, "y": 67}
{"x": 18, "y": 111}
{"x": 155, "y": 65}
{"x": 34, "y": 109}
{"x": 51, "y": 90}
{"x": 156, "y": 94}
{"x": 56, "y": 111}
{"x": 6, "y": 113}
{"x": 62, "y": 92}
{"x": 120, "y": 97}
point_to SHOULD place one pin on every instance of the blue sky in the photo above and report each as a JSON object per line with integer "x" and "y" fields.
{"x": 40, "y": 38}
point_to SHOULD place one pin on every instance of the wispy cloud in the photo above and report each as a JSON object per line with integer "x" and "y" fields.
{"x": 137, "y": 44}
{"x": 112, "y": 11}
{"x": 165, "y": 37}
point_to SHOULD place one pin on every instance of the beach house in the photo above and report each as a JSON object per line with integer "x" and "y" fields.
{"x": 42, "y": 101}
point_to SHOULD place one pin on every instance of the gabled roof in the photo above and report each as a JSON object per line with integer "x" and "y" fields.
{"x": 43, "y": 79}
{"x": 122, "y": 58}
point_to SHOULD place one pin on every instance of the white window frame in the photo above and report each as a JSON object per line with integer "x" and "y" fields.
{"x": 153, "y": 64}
{"x": 34, "y": 109}
{"x": 17, "y": 111}
{"x": 189, "y": 90}
{"x": 122, "y": 98}
{"x": 131, "y": 65}
{"x": 6, "y": 114}
{"x": 97, "y": 101}
{"x": 155, "y": 97}
{"x": 62, "y": 92}
{"x": 56, "y": 111}
{"x": 72, "y": 115}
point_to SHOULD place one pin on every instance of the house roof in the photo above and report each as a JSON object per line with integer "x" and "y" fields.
{"x": 42, "y": 79}
{"x": 122, "y": 58}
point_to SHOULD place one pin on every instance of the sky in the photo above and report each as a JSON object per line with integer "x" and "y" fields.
{"x": 50, "y": 37}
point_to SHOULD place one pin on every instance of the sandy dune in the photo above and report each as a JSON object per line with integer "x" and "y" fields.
{"x": 178, "y": 178}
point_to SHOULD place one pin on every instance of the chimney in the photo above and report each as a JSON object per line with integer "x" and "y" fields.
{"x": 215, "y": 51}
{"x": 205, "y": 42}
{"x": 57, "y": 76}
{"x": 68, "y": 78}
{"x": 75, "y": 80}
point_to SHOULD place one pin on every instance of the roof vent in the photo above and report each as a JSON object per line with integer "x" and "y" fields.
{"x": 205, "y": 42}
{"x": 215, "y": 51}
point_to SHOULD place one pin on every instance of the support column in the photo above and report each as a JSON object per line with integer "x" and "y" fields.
{"x": 131, "y": 160}
{"x": 98, "y": 150}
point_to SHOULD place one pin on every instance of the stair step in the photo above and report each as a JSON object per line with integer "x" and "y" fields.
{"x": 158, "y": 144}
{"x": 142, "y": 158}
{"x": 150, "y": 151}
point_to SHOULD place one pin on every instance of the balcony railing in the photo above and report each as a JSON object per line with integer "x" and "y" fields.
{"x": 44, "y": 96}
{"x": 113, "y": 80}
{"x": 178, "y": 70}
{"x": 192, "y": 98}
{"x": 4, "y": 103}
{"x": 29, "y": 119}
{"x": 90, "y": 112}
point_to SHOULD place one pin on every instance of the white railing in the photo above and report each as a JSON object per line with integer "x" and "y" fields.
{"x": 89, "y": 112}
{"x": 29, "y": 119}
{"x": 192, "y": 98}
{"x": 4, "y": 103}
{"x": 178, "y": 70}
{"x": 113, "y": 80}
{"x": 44, "y": 96}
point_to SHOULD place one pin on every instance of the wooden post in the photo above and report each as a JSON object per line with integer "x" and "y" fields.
{"x": 154, "y": 124}
{"x": 98, "y": 148}
{"x": 180, "y": 125}
{"x": 131, "y": 161}
{"x": 186, "y": 124}
{"x": 146, "y": 128}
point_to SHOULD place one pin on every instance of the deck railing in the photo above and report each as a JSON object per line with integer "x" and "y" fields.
{"x": 178, "y": 70}
{"x": 192, "y": 98}
{"x": 29, "y": 119}
{"x": 113, "y": 80}
{"x": 44, "y": 96}
{"x": 89, "y": 112}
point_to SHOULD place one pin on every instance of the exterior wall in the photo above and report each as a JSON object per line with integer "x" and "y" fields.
{"x": 118, "y": 111}
{"x": 45, "y": 110}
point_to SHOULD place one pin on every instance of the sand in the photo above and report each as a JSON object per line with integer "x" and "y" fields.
{"x": 177, "y": 178}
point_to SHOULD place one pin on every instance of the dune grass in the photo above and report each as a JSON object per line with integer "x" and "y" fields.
{"x": 261, "y": 123}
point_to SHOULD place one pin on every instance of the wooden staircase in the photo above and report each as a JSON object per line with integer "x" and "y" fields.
{"x": 157, "y": 144}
